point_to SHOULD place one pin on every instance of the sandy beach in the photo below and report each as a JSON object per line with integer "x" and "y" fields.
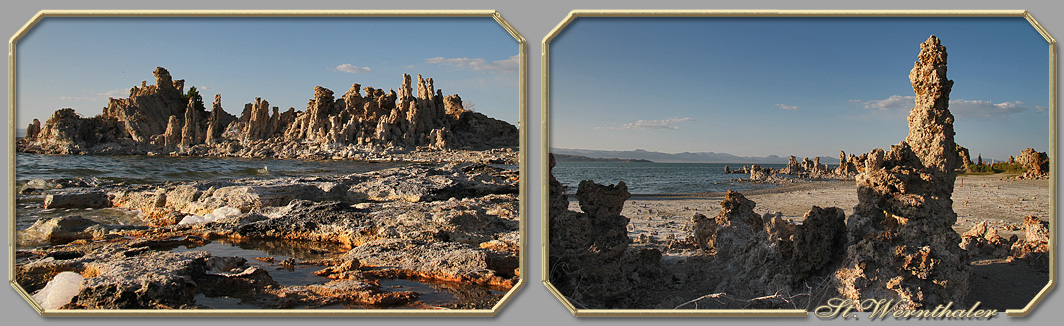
{"x": 1001, "y": 200}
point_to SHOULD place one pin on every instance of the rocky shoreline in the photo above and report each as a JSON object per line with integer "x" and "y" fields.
{"x": 448, "y": 224}
{"x": 164, "y": 119}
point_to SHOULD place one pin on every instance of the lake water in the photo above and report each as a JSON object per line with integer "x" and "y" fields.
{"x": 658, "y": 178}
{"x": 140, "y": 169}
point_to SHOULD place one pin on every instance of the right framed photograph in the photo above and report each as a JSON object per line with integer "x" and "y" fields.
{"x": 840, "y": 164}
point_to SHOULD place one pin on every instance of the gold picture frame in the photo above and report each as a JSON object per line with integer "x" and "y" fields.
{"x": 544, "y": 167}
{"x": 522, "y": 155}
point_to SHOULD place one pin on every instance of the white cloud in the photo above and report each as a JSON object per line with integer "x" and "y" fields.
{"x": 666, "y": 124}
{"x": 479, "y": 64}
{"x": 77, "y": 98}
{"x": 352, "y": 69}
{"x": 960, "y": 108}
{"x": 985, "y": 109}
{"x": 894, "y": 102}
{"x": 1041, "y": 108}
{"x": 411, "y": 66}
{"x": 787, "y": 107}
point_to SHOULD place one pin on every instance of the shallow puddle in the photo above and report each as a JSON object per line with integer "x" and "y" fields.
{"x": 287, "y": 275}
{"x": 446, "y": 294}
{"x": 223, "y": 302}
{"x": 430, "y": 295}
{"x": 449, "y": 295}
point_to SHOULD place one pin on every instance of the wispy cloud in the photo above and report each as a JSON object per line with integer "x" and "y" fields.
{"x": 352, "y": 69}
{"x": 121, "y": 92}
{"x": 787, "y": 107}
{"x": 479, "y": 64}
{"x": 666, "y": 124}
{"x": 124, "y": 92}
{"x": 986, "y": 109}
{"x": 961, "y": 108}
{"x": 77, "y": 98}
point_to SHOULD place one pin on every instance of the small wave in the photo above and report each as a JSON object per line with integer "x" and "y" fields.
{"x": 148, "y": 170}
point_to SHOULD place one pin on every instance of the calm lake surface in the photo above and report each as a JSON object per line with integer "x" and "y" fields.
{"x": 141, "y": 169}
{"x": 658, "y": 178}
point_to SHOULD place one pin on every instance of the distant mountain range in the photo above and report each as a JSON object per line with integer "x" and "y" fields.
{"x": 685, "y": 157}
{"x": 578, "y": 158}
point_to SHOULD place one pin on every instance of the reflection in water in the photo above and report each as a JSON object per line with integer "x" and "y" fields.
{"x": 446, "y": 294}
{"x": 279, "y": 250}
{"x": 432, "y": 294}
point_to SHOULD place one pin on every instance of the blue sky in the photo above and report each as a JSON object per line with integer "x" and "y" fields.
{"x": 80, "y": 62}
{"x": 790, "y": 86}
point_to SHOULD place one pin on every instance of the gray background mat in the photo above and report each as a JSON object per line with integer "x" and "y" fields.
{"x": 533, "y": 305}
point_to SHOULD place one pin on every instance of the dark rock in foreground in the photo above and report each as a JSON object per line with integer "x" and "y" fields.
{"x": 457, "y": 224}
{"x": 590, "y": 259}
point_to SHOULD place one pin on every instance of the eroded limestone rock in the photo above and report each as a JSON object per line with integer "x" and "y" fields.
{"x": 1035, "y": 243}
{"x": 590, "y": 259}
{"x": 983, "y": 241}
{"x": 77, "y": 199}
{"x": 901, "y": 241}
{"x": 33, "y": 129}
{"x": 161, "y": 118}
{"x": 966, "y": 159}
{"x": 411, "y": 184}
{"x": 57, "y": 230}
{"x": 765, "y": 255}
{"x": 1036, "y": 163}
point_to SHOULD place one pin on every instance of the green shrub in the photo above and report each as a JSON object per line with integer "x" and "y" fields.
{"x": 980, "y": 168}
{"x": 193, "y": 94}
{"x": 1000, "y": 167}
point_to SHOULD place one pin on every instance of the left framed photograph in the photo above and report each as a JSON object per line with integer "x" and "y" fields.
{"x": 267, "y": 162}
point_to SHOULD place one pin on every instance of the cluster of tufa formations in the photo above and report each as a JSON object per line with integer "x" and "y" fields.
{"x": 847, "y": 169}
{"x": 898, "y": 244}
{"x": 163, "y": 118}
